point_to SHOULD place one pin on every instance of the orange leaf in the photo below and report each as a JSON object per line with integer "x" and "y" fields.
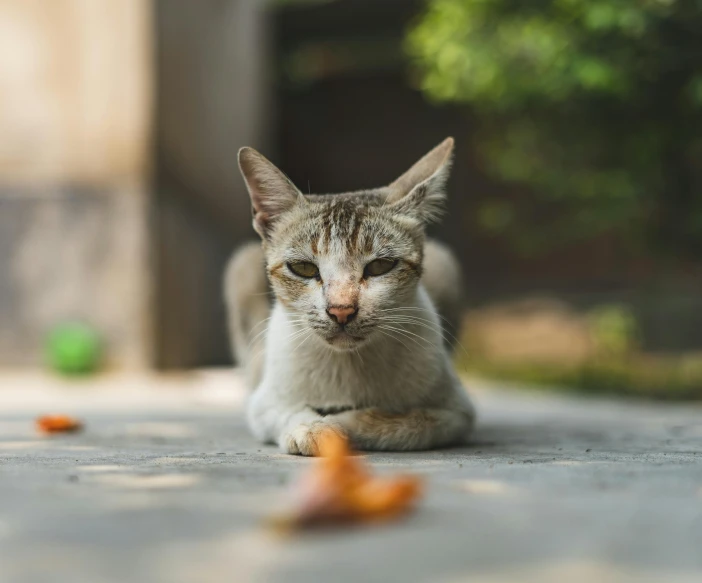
{"x": 340, "y": 488}
{"x": 58, "y": 424}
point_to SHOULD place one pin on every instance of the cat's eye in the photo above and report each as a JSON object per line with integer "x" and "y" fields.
{"x": 379, "y": 267}
{"x": 304, "y": 269}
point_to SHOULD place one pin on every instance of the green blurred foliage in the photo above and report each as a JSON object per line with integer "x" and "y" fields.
{"x": 614, "y": 331}
{"x": 617, "y": 366}
{"x": 671, "y": 378}
{"x": 596, "y": 105}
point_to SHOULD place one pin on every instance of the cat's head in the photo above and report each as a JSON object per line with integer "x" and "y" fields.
{"x": 341, "y": 263}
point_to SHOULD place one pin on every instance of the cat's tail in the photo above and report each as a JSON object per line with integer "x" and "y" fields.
{"x": 247, "y": 299}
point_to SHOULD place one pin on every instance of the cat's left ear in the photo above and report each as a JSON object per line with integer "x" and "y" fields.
{"x": 420, "y": 190}
{"x": 272, "y": 193}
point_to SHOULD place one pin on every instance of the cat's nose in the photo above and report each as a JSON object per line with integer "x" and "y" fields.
{"x": 342, "y": 314}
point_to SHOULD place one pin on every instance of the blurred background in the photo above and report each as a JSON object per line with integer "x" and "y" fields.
{"x": 575, "y": 205}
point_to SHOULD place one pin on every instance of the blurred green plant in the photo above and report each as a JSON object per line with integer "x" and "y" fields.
{"x": 614, "y": 331}
{"x": 664, "y": 378}
{"x": 594, "y": 104}
{"x": 673, "y": 378}
{"x": 616, "y": 366}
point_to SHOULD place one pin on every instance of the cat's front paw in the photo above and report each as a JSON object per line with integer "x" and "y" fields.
{"x": 304, "y": 439}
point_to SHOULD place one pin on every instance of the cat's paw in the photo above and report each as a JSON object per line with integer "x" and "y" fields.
{"x": 304, "y": 439}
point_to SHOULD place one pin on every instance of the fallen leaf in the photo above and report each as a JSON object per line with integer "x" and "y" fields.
{"x": 58, "y": 424}
{"x": 340, "y": 489}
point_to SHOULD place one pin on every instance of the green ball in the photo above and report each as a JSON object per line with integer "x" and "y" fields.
{"x": 73, "y": 349}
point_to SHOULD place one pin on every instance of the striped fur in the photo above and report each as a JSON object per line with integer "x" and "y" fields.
{"x": 385, "y": 376}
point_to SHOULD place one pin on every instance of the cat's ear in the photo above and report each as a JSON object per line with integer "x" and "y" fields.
{"x": 420, "y": 190}
{"x": 272, "y": 193}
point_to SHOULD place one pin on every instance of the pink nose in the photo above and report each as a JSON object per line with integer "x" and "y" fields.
{"x": 342, "y": 314}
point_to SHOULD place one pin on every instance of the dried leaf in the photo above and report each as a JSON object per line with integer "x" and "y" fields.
{"x": 340, "y": 488}
{"x": 58, "y": 424}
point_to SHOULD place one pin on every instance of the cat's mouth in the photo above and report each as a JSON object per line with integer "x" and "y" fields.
{"x": 344, "y": 340}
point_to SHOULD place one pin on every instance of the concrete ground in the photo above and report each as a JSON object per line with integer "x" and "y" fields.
{"x": 167, "y": 485}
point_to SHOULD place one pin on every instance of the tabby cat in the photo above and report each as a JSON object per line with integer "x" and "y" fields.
{"x": 354, "y": 341}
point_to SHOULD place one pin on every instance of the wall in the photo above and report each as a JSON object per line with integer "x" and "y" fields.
{"x": 75, "y": 122}
{"x": 213, "y": 98}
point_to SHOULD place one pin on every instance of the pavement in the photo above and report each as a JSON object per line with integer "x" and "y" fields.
{"x": 166, "y": 485}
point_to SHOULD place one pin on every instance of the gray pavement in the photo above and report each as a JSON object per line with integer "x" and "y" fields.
{"x": 166, "y": 485}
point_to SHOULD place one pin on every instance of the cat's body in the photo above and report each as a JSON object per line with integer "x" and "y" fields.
{"x": 354, "y": 341}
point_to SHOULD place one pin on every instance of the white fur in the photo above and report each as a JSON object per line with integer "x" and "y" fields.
{"x": 394, "y": 374}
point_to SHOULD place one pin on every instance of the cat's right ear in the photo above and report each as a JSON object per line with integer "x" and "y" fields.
{"x": 420, "y": 190}
{"x": 272, "y": 193}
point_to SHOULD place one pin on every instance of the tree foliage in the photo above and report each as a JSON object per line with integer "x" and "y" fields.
{"x": 594, "y": 104}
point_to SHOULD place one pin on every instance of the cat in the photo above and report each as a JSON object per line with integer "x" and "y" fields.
{"x": 353, "y": 342}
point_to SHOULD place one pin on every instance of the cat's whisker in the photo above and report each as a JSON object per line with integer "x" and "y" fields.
{"x": 262, "y": 348}
{"x": 413, "y": 317}
{"x": 256, "y": 338}
{"x": 305, "y": 339}
{"x": 266, "y": 320}
{"x": 297, "y": 334}
{"x": 261, "y": 323}
{"x": 410, "y": 333}
{"x": 360, "y": 357}
{"x": 291, "y": 320}
{"x": 262, "y": 332}
{"x": 261, "y": 351}
{"x": 405, "y": 335}
{"x": 413, "y": 308}
{"x": 431, "y": 326}
{"x": 428, "y": 324}
{"x": 389, "y": 335}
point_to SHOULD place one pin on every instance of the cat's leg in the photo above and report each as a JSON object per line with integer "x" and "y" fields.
{"x": 248, "y": 307}
{"x": 417, "y": 429}
{"x": 303, "y": 432}
{"x": 296, "y": 429}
